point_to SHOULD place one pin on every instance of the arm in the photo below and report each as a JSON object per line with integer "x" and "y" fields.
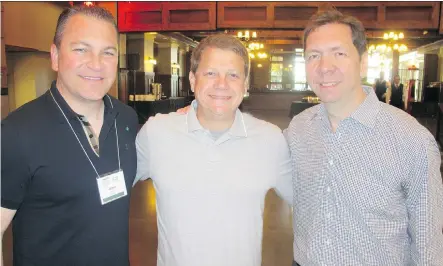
{"x": 14, "y": 174}
{"x": 283, "y": 187}
{"x": 6, "y": 219}
{"x": 388, "y": 92}
{"x": 424, "y": 202}
{"x": 143, "y": 153}
{"x": 403, "y": 95}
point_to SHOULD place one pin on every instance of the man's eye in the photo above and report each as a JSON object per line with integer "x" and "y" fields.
{"x": 80, "y": 50}
{"x": 313, "y": 56}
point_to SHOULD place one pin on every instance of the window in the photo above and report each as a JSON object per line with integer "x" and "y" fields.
{"x": 276, "y": 72}
{"x": 287, "y": 71}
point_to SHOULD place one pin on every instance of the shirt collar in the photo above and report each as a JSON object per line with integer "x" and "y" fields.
{"x": 237, "y": 129}
{"x": 70, "y": 114}
{"x": 368, "y": 110}
{"x": 366, "y": 113}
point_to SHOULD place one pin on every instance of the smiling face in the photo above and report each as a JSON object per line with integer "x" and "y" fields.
{"x": 219, "y": 83}
{"x": 333, "y": 65}
{"x": 86, "y": 60}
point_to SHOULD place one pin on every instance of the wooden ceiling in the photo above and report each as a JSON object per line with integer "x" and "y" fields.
{"x": 280, "y": 24}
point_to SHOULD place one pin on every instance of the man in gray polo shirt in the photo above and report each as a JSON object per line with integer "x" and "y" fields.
{"x": 213, "y": 166}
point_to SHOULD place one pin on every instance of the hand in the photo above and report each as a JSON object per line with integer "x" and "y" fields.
{"x": 183, "y": 110}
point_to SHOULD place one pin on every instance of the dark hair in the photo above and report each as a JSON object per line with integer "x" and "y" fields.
{"x": 90, "y": 11}
{"x": 332, "y": 16}
{"x": 224, "y": 42}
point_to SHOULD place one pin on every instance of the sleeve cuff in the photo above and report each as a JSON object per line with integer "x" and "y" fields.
{"x": 8, "y": 204}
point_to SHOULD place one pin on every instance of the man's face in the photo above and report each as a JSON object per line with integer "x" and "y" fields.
{"x": 86, "y": 60}
{"x": 396, "y": 80}
{"x": 333, "y": 66}
{"x": 219, "y": 83}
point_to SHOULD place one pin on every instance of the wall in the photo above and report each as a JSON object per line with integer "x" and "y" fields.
{"x": 259, "y": 78}
{"x": 440, "y": 63}
{"x": 30, "y": 75}
{"x": 30, "y": 24}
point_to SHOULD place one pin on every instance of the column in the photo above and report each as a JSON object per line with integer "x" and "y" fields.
{"x": 149, "y": 61}
{"x": 183, "y": 73}
{"x": 395, "y": 64}
{"x": 122, "y": 71}
{"x": 164, "y": 68}
{"x": 175, "y": 69}
{"x": 4, "y": 73}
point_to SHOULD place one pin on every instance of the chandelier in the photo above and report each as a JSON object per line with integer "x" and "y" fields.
{"x": 254, "y": 47}
{"x": 392, "y": 42}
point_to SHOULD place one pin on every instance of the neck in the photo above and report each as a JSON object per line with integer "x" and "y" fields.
{"x": 90, "y": 109}
{"x": 339, "y": 111}
{"x": 214, "y": 122}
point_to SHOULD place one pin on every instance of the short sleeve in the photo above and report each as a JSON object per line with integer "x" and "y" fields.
{"x": 15, "y": 174}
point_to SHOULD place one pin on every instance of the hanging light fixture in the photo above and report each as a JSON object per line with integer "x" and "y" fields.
{"x": 254, "y": 48}
{"x": 392, "y": 39}
{"x": 89, "y": 3}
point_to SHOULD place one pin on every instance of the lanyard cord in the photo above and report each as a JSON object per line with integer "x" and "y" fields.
{"x": 72, "y": 129}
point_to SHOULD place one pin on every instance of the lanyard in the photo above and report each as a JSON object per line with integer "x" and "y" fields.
{"x": 72, "y": 129}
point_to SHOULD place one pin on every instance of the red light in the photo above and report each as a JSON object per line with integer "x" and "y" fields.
{"x": 88, "y": 3}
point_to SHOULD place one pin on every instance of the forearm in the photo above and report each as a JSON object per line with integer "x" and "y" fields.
{"x": 426, "y": 212}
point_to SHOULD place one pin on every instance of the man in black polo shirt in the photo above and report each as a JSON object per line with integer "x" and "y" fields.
{"x": 68, "y": 157}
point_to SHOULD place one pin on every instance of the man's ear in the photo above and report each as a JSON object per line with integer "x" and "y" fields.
{"x": 54, "y": 57}
{"x": 192, "y": 80}
{"x": 364, "y": 65}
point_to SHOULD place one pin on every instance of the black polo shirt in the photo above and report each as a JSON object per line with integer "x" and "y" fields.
{"x": 48, "y": 179}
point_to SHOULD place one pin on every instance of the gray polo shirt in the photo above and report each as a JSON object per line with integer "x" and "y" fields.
{"x": 210, "y": 192}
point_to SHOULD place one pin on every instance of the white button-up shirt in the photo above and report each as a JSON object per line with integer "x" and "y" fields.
{"x": 370, "y": 193}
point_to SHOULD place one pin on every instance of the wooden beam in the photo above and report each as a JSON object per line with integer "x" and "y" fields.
{"x": 441, "y": 19}
{"x": 298, "y": 34}
{"x": 272, "y": 42}
{"x": 189, "y": 16}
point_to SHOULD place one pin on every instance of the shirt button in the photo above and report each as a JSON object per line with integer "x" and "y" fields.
{"x": 328, "y": 189}
{"x": 327, "y": 242}
{"x": 331, "y": 162}
{"x": 328, "y": 215}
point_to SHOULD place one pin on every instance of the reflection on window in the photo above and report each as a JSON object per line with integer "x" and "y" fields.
{"x": 299, "y": 71}
{"x": 378, "y": 63}
{"x": 277, "y": 86}
{"x": 277, "y": 58}
{"x": 276, "y": 72}
{"x": 287, "y": 71}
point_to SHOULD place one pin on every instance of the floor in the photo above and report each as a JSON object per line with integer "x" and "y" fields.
{"x": 277, "y": 235}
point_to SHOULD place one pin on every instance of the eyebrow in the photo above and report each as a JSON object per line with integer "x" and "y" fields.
{"x": 333, "y": 49}
{"x": 88, "y": 45}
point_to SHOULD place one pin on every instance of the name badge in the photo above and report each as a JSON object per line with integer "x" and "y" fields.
{"x": 112, "y": 186}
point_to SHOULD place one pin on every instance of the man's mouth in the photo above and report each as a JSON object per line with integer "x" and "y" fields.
{"x": 328, "y": 84}
{"x": 92, "y": 78}
{"x": 216, "y": 97}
